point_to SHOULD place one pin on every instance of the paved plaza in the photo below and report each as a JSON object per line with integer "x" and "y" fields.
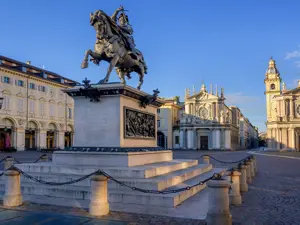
{"x": 273, "y": 196}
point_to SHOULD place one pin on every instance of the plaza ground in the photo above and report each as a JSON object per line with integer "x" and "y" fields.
{"x": 273, "y": 196}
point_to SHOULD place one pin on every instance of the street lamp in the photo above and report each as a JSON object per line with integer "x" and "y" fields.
{"x": 1, "y": 102}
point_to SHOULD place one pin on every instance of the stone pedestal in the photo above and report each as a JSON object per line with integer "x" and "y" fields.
{"x": 12, "y": 196}
{"x": 218, "y": 203}
{"x": 8, "y": 162}
{"x": 114, "y": 115}
{"x": 235, "y": 194}
{"x": 243, "y": 180}
{"x": 252, "y": 170}
{"x": 206, "y": 159}
{"x": 99, "y": 205}
{"x": 248, "y": 170}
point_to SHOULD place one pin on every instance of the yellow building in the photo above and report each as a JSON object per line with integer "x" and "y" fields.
{"x": 283, "y": 112}
{"x": 168, "y": 116}
{"x": 35, "y": 113}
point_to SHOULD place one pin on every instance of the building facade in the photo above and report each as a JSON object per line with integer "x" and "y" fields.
{"x": 208, "y": 123}
{"x": 168, "y": 123}
{"x": 35, "y": 113}
{"x": 283, "y": 112}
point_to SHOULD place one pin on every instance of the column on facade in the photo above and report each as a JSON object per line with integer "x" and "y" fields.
{"x": 19, "y": 139}
{"x": 291, "y": 109}
{"x": 291, "y": 132}
{"x": 278, "y": 138}
{"x": 195, "y": 138}
{"x": 213, "y": 138}
{"x": 227, "y": 139}
{"x": 285, "y": 140}
{"x": 269, "y": 138}
{"x": 60, "y": 137}
{"x": 217, "y": 111}
{"x": 217, "y": 139}
{"x": 181, "y": 136}
{"x": 42, "y": 139}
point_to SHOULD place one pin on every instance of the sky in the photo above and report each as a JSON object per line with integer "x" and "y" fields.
{"x": 184, "y": 43}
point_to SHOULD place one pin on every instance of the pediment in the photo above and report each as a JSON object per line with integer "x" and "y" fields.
{"x": 295, "y": 91}
{"x": 32, "y": 97}
{"x": 20, "y": 95}
{"x": 203, "y": 96}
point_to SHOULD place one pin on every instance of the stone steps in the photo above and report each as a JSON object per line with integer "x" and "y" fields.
{"x": 70, "y": 195}
{"x": 155, "y": 183}
{"x": 146, "y": 171}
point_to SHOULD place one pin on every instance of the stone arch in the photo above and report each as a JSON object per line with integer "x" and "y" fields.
{"x": 33, "y": 124}
{"x": 70, "y": 128}
{"x": 52, "y": 126}
{"x": 8, "y": 122}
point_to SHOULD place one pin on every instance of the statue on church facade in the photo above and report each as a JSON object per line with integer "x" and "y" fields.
{"x": 115, "y": 44}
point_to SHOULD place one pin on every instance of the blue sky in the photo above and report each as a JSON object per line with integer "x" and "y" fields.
{"x": 184, "y": 43}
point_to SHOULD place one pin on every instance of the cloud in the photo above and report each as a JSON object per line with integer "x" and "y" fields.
{"x": 293, "y": 54}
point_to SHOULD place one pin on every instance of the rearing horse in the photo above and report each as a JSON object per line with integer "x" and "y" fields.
{"x": 110, "y": 46}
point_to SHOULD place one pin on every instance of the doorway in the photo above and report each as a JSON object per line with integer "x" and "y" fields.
{"x": 204, "y": 142}
{"x": 50, "y": 139}
{"x": 30, "y": 139}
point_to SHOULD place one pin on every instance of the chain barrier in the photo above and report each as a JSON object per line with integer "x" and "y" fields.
{"x": 18, "y": 162}
{"x": 215, "y": 176}
{"x": 226, "y": 162}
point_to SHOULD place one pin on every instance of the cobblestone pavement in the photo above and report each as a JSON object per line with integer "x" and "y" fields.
{"x": 274, "y": 195}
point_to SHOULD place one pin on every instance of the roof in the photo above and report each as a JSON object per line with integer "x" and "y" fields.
{"x": 28, "y": 69}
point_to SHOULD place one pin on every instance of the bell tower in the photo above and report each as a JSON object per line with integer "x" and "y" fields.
{"x": 273, "y": 87}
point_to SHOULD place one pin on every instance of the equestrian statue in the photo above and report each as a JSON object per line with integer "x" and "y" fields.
{"x": 115, "y": 44}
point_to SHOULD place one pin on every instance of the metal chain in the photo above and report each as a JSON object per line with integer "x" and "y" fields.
{"x": 4, "y": 159}
{"x": 115, "y": 180}
{"x": 225, "y": 162}
{"x": 18, "y": 162}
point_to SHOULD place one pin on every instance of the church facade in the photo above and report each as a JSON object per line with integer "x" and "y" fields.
{"x": 207, "y": 123}
{"x": 283, "y": 112}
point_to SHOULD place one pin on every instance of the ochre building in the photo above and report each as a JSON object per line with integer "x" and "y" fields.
{"x": 35, "y": 112}
{"x": 283, "y": 112}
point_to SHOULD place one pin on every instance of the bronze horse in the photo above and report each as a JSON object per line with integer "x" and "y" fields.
{"x": 111, "y": 47}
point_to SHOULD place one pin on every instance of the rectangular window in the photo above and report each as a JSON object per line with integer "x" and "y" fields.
{"x": 176, "y": 140}
{"x": 158, "y": 110}
{"x": 42, "y": 108}
{"x": 31, "y": 106}
{"x": 42, "y": 88}
{"x": 32, "y": 86}
{"x": 158, "y": 123}
{"x": 7, "y": 80}
{"x": 20, "y": 83}
{"x": 20, "y": 105}
{"x": 69, "y": 113}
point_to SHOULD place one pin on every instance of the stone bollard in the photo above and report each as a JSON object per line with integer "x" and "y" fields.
{"x": 235, "y": 194}
{"x": 44, "y": 158}
{"x": 218, "y": 203}
{"x": 252, "y": 172}
{"x": 8, "y": 162}
{"x": 254, "y": 163}
{"x": 243, "y": 180}
{"x": 248, "y": 170}
{"x": 99, "y": 205}
{"x": 12, "y": 196}
{"x": 206, "y": 159}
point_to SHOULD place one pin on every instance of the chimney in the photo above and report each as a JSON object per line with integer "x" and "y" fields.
{"x": 28, "y": 62}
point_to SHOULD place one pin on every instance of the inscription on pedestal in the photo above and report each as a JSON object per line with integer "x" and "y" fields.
{"x": 138, "y": 124}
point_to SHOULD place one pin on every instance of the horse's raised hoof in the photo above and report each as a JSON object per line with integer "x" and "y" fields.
{"x": 84, "y": 65}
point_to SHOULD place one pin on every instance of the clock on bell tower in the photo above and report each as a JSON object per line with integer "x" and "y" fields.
{"x": 272, "y": 82}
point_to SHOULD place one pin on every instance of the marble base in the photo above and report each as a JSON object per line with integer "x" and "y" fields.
{"x": 110, "y": 158}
